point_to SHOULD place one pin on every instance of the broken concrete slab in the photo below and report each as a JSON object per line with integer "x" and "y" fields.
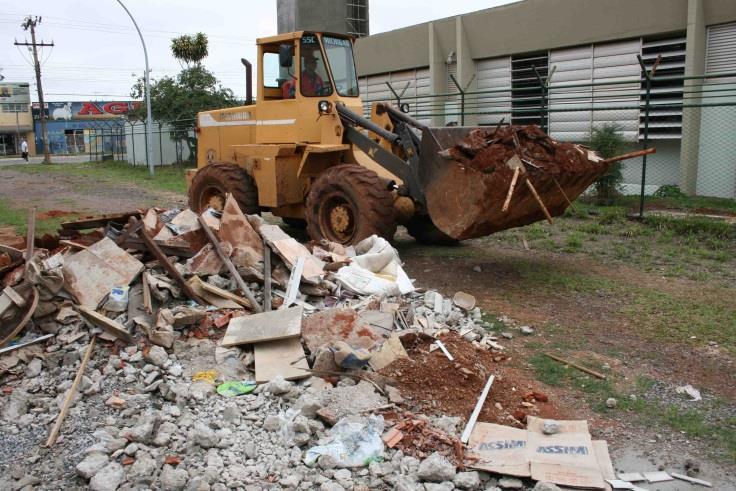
{"x": 283, "y": 357}
{"x": 235, "y": 229}
{"x": 207, "y": 262}
{"x": 338, "y": 324}
{"x": 390, "y": 351}
{"x": 266, "y": 326}
{"x": 89, "y": 279}
{"x": 119, "y": 260}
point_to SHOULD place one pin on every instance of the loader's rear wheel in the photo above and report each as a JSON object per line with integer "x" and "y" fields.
{"x": 212, "y": 182}
{"x": 348, "y": 203}
{"x": 426, "y": 232}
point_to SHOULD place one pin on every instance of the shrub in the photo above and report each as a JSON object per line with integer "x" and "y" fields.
{"x": 608, "y": 142}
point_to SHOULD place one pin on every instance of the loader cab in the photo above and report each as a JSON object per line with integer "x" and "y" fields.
{"x": 297, "y": 73}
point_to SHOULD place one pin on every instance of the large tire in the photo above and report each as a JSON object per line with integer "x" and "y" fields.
{"x": 212, "y": 182}
{"x": 348, "y": 203}
{"x": 426, "y": 232}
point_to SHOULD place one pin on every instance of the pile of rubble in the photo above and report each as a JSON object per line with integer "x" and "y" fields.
{"x": 170, "y": 350}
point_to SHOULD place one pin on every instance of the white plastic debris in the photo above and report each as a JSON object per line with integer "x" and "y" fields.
{"x": 691, "y": 391}
{"x": 354, "y": 442}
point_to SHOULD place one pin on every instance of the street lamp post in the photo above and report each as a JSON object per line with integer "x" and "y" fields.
{"x": 149, "y": 124}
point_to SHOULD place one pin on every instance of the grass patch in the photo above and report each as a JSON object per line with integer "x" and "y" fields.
{"x": 167, "y": 178}
{"x": 18, "y": 219}
{"x": 681, "y": 203}
{"x": 701, "y": 227}
{"x": 708, "y": 314}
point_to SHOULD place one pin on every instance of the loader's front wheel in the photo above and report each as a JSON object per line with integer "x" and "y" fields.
{"x": 348, "y": 203}
{"x": 426, "y": 232}
{"x": 212, "y": 182}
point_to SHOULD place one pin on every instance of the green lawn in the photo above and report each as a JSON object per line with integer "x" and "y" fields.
{"x": 167, "y": 178}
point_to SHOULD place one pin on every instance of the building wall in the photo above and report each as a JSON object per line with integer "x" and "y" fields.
{"x": 314, "y": 15}
{"x": 16, "y": 122}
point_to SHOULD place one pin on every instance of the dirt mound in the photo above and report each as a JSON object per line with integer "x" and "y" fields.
{"x": 436, "y": 385}
{"x": 486, "y": 150}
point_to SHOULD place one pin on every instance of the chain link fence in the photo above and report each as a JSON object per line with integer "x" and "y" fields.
{"x": 691, "y": 121}
{"x": 174, "y": 142}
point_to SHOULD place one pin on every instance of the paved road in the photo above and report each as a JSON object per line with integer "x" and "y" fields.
{"x": 56, "y": 159}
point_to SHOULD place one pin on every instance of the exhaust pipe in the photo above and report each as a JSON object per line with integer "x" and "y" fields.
{"x": 248, "y": 81}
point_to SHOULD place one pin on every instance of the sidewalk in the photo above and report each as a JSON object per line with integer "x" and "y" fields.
{"x": 56, "y": 159}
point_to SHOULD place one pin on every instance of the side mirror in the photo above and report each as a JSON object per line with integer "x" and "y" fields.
{"x": 286, "y": 55}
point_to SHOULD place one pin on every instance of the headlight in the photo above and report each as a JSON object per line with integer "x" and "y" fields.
{"x": 324, "y": 107}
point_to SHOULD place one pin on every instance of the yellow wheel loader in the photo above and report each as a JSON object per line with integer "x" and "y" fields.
{"x": 304, "y": 152}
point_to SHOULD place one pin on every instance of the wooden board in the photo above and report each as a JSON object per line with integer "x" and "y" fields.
{"x": 225, "y": 294}
{"x": 126, "y": 265}
{"x": 214, "y": 300}
{"x": 99, "y": 221}
{"x": 266, "y": 326}
{"x": 107, "y": 325}
{"x": 284, "y": 357}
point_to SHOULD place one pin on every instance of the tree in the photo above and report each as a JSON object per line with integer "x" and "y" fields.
{"x": 177, "y": 100}
{"x": 608, "y": 142}
{"x": 190, "y": 50}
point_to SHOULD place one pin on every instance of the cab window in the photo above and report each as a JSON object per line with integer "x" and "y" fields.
{"x": 314, "y": 81}
{"x": 340, "y": 56}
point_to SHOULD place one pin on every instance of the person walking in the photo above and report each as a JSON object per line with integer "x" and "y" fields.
{"x": 24, "y": 149}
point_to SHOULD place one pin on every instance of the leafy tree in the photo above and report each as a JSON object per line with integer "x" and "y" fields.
{"x": 180, "y": 98}
{"x": 608, "y": 142}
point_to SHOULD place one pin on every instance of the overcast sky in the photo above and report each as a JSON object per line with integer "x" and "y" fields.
{"x": 97, "y": 53}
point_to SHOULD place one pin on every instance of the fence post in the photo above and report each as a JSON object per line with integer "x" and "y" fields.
{"x": 160, "y": 145}
{"x": 132, "y": 141}
{"x": 648, "y": 76}
{"x": 543, "y": 105}
{"x": 145, "y": 140}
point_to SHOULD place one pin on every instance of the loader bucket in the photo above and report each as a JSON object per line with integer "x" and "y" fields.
{"x": 464, "y": 202}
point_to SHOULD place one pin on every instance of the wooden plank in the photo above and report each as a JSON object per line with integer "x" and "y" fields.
{"x": 31, "y": 233}
{"x": 72, "y": 244}
{"x": 229, "y": 264}
{"x": 539, "y": 200}
{"x": 266, "y": 326}
{"x": 266, "y": 277}
{"x": 70, "y": 395}
{"x": 14, "y": 297}
{"x": 280, "y": 357}
{"x": 147, "y": 302}
{"x": 691, "y": 479}
{"x": 511, "y": 189}
{"x": 476, "y": 412}
{"x": 575, "y": 365}
{"x": 164, "y": 261}
{"x": 294, "y": 279}
{"x": 215, "y": 300}
{"x": 107, "y": 325}
{"x": 99, "y": 221}
{"x": 138, "y": 244}
{"x": 226, "y": 294}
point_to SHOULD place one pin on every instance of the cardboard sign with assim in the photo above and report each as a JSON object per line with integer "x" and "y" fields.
{"x": 568, "y": 458}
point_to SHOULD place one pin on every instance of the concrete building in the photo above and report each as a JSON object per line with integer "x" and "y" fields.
{"x": 16, "y": 122}
{"x": 586, "y": 42}
{"x": 338, "y": 16}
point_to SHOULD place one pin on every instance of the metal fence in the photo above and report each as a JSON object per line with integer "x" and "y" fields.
{"x": 174, "y": 142}
{"x": 690, "y": 120}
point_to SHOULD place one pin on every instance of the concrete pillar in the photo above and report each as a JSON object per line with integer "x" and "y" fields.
{"x": 694, "y": 65}
{"x": 465, "y": 70}
{"x": 437, "y": 75}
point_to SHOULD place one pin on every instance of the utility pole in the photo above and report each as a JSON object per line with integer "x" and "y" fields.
{"x": 30, "y": 23}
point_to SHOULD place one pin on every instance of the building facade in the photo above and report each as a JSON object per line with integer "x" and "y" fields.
{"x": 338, "y": 16}
{"x": 76, "y": 127}
{"x": 16, "y": 122}
{"x": 589, "y": 50}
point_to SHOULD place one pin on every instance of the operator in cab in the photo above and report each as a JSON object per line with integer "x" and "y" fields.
{"x": 311, "y": 83}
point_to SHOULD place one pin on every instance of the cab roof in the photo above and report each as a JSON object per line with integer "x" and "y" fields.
{"x": 288, "y": 36}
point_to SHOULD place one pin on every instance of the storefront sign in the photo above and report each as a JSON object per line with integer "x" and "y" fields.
{"x": 70, "y": 111}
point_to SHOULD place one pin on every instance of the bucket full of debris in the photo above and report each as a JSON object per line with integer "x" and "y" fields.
{"x": 478, "y": 181}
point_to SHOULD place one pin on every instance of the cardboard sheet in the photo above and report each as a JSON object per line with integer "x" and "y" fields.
{"x": 266, "y": 326}
{"x": 500, "y": 449}
{"x": 284, "y": 357}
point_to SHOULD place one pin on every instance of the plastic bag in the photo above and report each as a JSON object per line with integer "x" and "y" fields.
{"x": 117, "y": 300}
{"x": 233, "y": 388}
{"x": 354, "y": 443}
